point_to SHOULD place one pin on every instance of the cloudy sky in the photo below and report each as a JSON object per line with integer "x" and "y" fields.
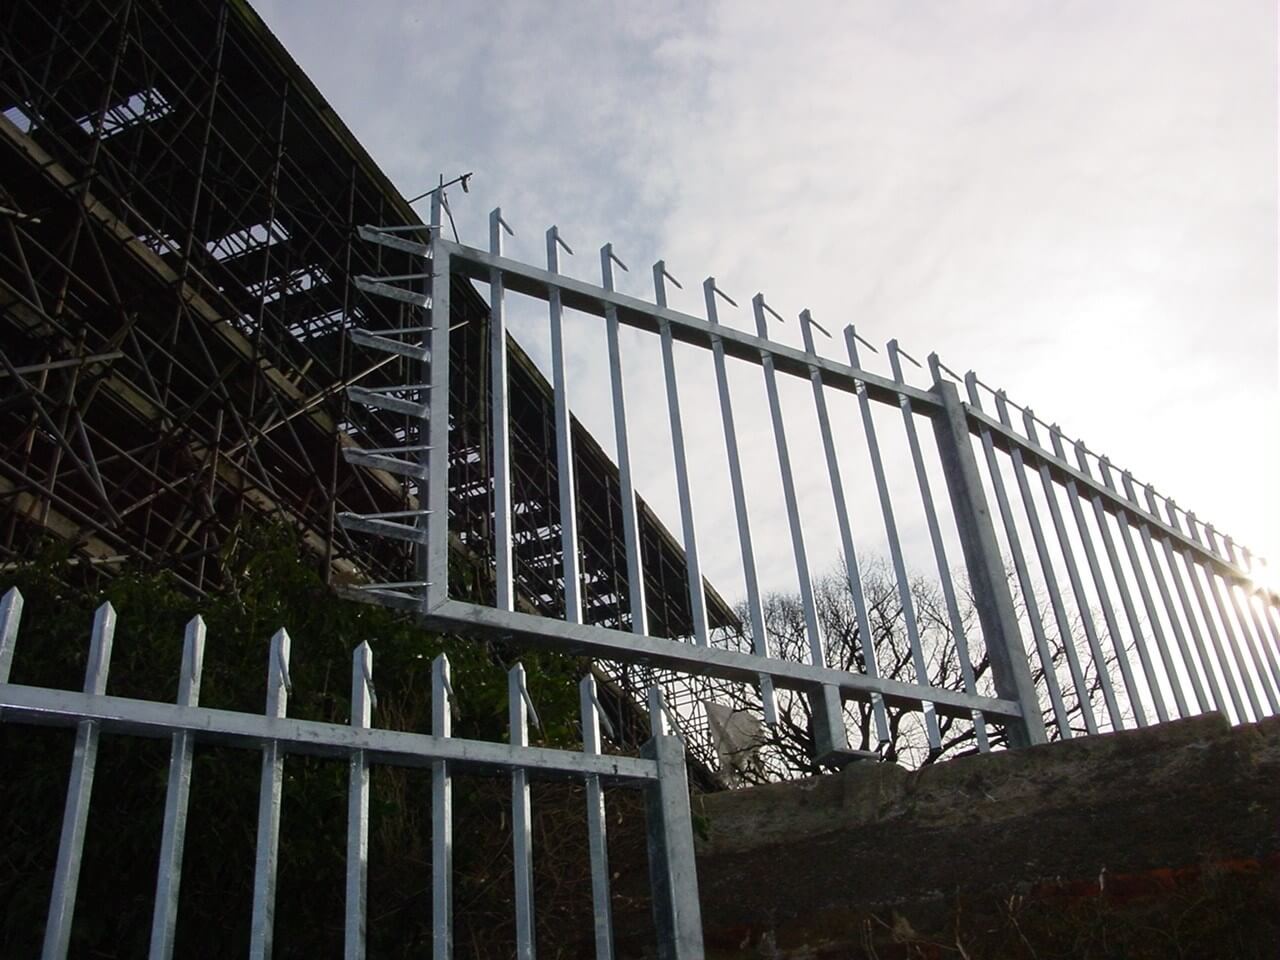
{"x": 1075, "y": 198}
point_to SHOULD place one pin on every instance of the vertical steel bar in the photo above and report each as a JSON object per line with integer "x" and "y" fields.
{"x": 1029, "y": 603}
{"x": 1233, "y": 642}
{"x": 755, "y": 606}
{"x": 500, "y": 420}
{"x": 441, "y": 815}
{"x": 1215, "y": 639}
{"x": 672, "y": 867}
{"x": 597, "y": 842}
{"x": 1246, "y": 629}
{"x": 693, "y": 568}
{"x": 630, "y": 517}
{"x": 809, "y": 602}
{"x": 895, "y": 547}
{"x": 362, "y": 700}
{"x": 1127, "y": 599}
{"x": 75, "y": 814}
{"x": 1073, "y": 577}
{"x": 269, "y": 796}
{"x": 939, "y": 549}
{"x": 988, "y": 577}
{"x": 1184, "y": 600}
{"x": 1100, "y": 516}
{"x": 174, "y": 832}
{"x": 852, "y": 569}
{"x": 434, "y": 559}
{"x": 564, "y": 442}
{"x": 1051, "y": 580}
{"x": 1074, "y": 498}
{"x": 1271, "y": 616}
{"x": 1148, "y": 603}
{"x": 1139, "y": 640}
{"x": 830, "y": 737}
{"x": 10, "y": 618}
{"x": 521, "y": 815}
{"x": 1265, "y": 631}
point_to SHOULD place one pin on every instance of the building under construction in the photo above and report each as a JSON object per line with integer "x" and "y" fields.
{"x": 179, "y": 214}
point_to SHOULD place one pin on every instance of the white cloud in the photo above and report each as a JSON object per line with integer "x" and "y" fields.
{"x": 1078, "y": 199}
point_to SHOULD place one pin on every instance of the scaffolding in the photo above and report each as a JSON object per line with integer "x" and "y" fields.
{"x": 179, "y": 212}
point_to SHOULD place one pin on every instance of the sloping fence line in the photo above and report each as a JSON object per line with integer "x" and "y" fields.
{"x": 659, "y": 771}
{"x": 1197, "y": 632}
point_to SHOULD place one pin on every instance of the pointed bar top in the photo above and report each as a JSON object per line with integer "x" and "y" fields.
{"x": 10, "y": 617}
{"x": 660, "y": 270}
{"x": 496, "y": 221}
{"x": 851, "y": 341}
{"x": 895, "y": 352}
{"x": 607, "y": 259}
{"x": 192, "y": 662}
{"x": 710, "y": 288}
{"x": 554, "y": 238}
{"x": 104, "y": 629}
{"x": 518, "y": 691}
{"x": 444, "y": 707}
{"x": 592, "y": 708}
{"x": 279, "y": 685}
{"x": 807, "y": 325}
{"x": 758, "y": 301}
{"x": 364, "y": 699}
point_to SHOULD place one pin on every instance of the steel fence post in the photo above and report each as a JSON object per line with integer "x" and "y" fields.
{"x": 1000, "y": 631}
{"x": 673, "y": 873}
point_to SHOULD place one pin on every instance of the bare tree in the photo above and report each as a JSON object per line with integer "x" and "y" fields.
{"x": 785, "y": 751}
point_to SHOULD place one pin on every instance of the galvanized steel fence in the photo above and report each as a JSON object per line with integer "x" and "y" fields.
{"x": 659, "y": 772}
{"x": 1168, "y": 621}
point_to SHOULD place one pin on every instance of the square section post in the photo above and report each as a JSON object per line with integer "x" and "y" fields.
{"x": 1000, "y": 631}
{"x": 673, "y": 873}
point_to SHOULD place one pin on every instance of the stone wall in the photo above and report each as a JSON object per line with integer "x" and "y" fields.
{"x": 1156, "y": 842}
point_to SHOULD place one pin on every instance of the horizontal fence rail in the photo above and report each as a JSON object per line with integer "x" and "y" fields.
{"x": 1097, "y": 604}
{"x": 659, "y": 772}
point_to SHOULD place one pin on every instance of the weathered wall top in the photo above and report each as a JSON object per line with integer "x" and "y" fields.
{"x": 1179, "y": 822}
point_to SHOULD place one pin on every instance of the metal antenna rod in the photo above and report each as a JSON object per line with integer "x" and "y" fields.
{"x": 464, "y": 180}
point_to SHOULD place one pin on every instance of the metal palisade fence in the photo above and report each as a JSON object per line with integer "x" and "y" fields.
{"x": 1127, "y": 611}
{"x": 659, "y": 772}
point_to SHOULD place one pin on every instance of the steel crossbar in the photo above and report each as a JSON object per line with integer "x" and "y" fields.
{"x": 1242, "y": 611}
{"x": 92, "y": 713}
